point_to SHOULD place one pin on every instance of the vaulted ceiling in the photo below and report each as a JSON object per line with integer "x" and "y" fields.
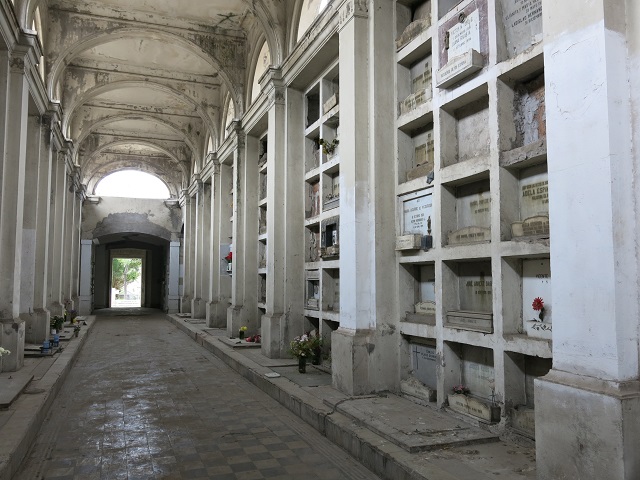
{"x": 143, "y": 83}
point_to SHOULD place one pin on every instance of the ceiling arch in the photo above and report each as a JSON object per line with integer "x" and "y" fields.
{"x": 135, "y": 33}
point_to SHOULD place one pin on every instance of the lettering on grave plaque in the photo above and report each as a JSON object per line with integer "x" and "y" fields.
{"x": 535, "y": 199}
{"x": 465, "y": 35}
{"x": 469, "y": 235}
{"x": 417, "y": 215}
{"x": 537, "y": 226}
{"x": 412, "y": 30}
{"x": 423, "y": 364}
{"x": 424, "y": 159}
{"x": 522, "y": 20}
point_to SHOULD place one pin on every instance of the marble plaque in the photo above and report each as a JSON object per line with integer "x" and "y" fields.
{"x": 522, "y": 20}
{"x": 423, "y": 364}
{"x": 475, "y": 407}
{"x": 469, "y": 235}
{"x": 417, "y": 215}
{"x": 524, "y": 419}
{"x": 466, "y": 320}
{"x": 475, "y": 287}
{"x": 409, "y": 242}
{"x": 459, "y": 68}
{"x": 534, "y": 196}
{"x": 330, "y": 103}
{"x": 464, "y": 35}
{"x": 414, "y": 29}
{"x": 537, "y": 226}
{"x": 426, "y": 307}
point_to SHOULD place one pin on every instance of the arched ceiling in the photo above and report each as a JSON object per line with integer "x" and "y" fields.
{"x": 142, "y": 82}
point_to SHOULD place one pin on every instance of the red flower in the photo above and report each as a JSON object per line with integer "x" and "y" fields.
{"x": 538, "y": 304}
{"x": 229, "y": 257}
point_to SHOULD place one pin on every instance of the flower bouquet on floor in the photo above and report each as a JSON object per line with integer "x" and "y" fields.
{"x": 301, "y": 349}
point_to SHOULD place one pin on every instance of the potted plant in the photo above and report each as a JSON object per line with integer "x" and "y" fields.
{"x": 56, "y": 323}
{"x": 301, "y": 349}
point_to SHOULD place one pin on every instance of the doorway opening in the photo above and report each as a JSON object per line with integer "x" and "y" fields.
{"x": 127, "y": 281}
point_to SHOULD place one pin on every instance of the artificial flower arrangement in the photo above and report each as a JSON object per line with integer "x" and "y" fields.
{"x": 229, "y": 257}
{"x": 241, "y": 331}
{"x": 301, "y": 347}
{"x": 538, "y": 306}
{"x": 4, "y": 351}
{"x": 460, "y": 390}
{"x": 56, "y": 322}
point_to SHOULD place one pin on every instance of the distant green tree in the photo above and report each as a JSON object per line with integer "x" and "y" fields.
{"x": 124, "y": 272}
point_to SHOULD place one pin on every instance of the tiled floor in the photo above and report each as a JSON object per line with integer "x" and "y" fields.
{"x": 145, "y": 402}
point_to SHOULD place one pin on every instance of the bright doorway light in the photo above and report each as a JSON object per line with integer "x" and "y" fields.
{"x": 132, "y": 184}
{"x": 126, "y": 282}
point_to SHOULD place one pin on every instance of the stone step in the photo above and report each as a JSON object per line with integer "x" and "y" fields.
{"x": 12, "y": 384}
{"x": 412, "y": 427}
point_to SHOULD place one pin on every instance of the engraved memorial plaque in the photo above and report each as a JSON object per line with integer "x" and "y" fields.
{"x": 417, "y": 214}
{"x": 522, "y": 20}
{"x": 423, "y": 364}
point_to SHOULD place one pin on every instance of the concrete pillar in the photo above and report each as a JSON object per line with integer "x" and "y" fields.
{"x": 364, "y": 348}
{"x": 220, "y": 280}
{"x": 173, "y": 287}
{"x": 85, "y": 302}
{"x": 76, "y": 249}
{"x": 187, "y": 249}
{"x": 11, "y": 212}
{"x": 28, "y": 260}
{"x": 202, "y": 221}
{"x": 67, "y": 244}
{"x": 587, "y": 407}
{"x": 244, "y": 283}
{"x": 40, "y": 321}
{"x": 59, "y": 189}
{"x": 274, "y": 321}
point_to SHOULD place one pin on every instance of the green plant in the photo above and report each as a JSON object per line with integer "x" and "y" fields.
{"x": 329, "y": 148}
{"x": 57, "y": 322}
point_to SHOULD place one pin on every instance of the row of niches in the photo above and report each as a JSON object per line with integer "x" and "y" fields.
{"x": 465, "y": 130}
{"x": 323, "y": 193}
{"x": 465, "y": 215}
{"x": 322, "y": 290}
{"x": 468, "y": 296}
{"x": 463, "y": 34}
{"x": 470, "y": 381}
{"x": 322, "y": 147}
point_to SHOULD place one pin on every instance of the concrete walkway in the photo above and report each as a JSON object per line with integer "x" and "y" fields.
{"x": 145, "y": 402}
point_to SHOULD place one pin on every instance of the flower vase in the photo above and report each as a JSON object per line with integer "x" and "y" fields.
{"x": 302, "y": 364}
{"x": 241, "y": 334}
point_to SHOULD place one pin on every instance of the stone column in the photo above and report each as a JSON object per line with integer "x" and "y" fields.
{"x": 198, "y": 303}
{"x": 220, "y": 280}
{"x": 11, "y": 212}
{"x": 244, "y": 283}
{"x": 59, "y": 189}
{"x": 85, "y": 303}
{"x": 76, "y": 251}
{"x": 364, "y": 348}
{"x": 28, "y": 261}
{"x": 274, "y": 321}
{"x": 67, "y": 244}
{"x": 40, "y": 322}
{"x": 173, "y": 287}
{"x": 187, "y": 242}
{"x": 587, "y": 407}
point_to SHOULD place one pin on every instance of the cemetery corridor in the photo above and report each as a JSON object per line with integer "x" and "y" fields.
{"x": 144, "y": 401}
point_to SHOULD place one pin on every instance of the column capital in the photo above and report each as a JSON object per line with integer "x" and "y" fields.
{"x": 351, "y": 9}
{"x": 17, "y": 62}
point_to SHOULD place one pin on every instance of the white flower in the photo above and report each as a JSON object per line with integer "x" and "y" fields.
{"x": 4, "y": 351}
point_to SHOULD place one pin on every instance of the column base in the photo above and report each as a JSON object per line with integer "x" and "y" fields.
{"x": 198, "y": 308}
{"x": 364, "y": 361}
{"x": 586, "y": 428}
{"x": 12, "y": 338}
{"x": 173, "y": 304}
{"x": 185, "y": 304}
{"x": 272, "y": 331}
{"x": 85, "y": 305}
{"x": 56, "y": 308}
{"x": 36, "y": 325}
{"x": 236, "y": 318}
{"x": 217, "y": 315}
